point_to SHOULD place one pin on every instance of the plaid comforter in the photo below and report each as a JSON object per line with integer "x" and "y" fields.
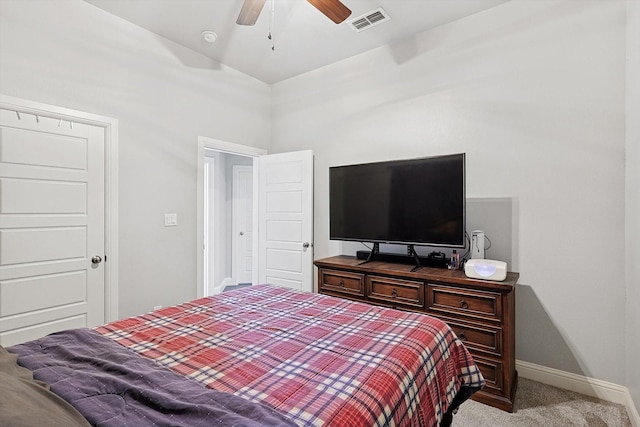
{"x": 319, "y": 360}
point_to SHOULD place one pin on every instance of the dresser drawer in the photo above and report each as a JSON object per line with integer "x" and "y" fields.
{"x": 457, "y": 302}
{"x": 492, "y": 372}
{"x": 486, "y": 340}
{"x": 341, "y": 283}
{"x": 396, "y": 292}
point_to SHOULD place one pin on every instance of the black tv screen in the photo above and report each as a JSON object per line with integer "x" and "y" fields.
{"x": 414, "y": 202}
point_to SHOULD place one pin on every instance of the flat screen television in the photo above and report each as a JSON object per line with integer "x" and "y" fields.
{"x": 412, "y": 202}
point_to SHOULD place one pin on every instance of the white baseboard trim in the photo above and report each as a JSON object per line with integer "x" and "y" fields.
{"x": 580, "y": 384}
{"x": 634, "y": 416}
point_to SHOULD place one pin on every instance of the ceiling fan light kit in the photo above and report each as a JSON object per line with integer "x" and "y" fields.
{"x": 332, "y": 9}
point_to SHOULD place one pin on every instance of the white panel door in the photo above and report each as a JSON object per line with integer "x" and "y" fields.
{"x": 242, "y": 229}
{"x": 51, "y": 225}
{"x": 286, "y": 220}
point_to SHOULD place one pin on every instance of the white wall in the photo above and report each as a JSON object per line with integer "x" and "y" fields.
{"x": 533, "y": 92}
{"x": 72, "y": 54}
{"x": 633, "y": 198}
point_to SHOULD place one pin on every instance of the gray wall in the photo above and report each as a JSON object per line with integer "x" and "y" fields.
{"x": 633, "y": 199}
{"x": 534, "y": 93}
{"x": 72, "y": 54}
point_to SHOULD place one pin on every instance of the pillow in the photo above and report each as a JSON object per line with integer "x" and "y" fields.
{"x": 25, "y": 402}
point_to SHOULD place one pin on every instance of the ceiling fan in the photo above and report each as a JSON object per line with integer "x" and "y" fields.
{"x": 332, "y": 9}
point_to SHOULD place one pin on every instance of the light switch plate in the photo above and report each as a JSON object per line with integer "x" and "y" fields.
{"x": 170, "y": 220}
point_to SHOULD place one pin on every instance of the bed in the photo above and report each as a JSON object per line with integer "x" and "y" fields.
{"x": 262, "y": 356}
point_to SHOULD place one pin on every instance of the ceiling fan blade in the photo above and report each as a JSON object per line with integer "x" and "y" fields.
{"x": 333, "y": 9}
{"x": 250, "y": 11}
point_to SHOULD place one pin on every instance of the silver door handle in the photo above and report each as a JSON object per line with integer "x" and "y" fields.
{"x": 96, "y": 259}
{"x": 305, "y": 245}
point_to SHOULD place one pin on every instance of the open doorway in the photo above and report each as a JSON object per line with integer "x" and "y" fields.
{"x": 227, "y": 216}
{"x": 280, "y": 218}
{"x": 228, "y": 221}
{"x": 228, "y": 240}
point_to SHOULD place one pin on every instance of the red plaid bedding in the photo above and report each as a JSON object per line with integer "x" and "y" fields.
{"x": 320, "y": 360}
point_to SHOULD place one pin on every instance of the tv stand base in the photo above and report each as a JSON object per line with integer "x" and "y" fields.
{"x": 434, "y": 262}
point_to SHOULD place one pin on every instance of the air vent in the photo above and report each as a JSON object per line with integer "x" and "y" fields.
{"x": 369, "y": 19}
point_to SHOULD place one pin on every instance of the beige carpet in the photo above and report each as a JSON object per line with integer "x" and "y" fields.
{"x": 542, "y": 405}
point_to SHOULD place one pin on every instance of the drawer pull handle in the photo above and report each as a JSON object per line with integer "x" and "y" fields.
{"x": 341, "y": 283}
{"x": 394, "y": 292}
{"x": 464, "y": 305}
{"x": 462, "y": 336}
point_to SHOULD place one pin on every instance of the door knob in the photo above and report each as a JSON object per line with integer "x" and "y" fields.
{"x": 242, "y": 233}
{"x": 96, "y": 259}
{"x": 305, "y": 245}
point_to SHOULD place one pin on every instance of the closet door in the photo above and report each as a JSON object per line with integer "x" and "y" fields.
{"x": 51, "y": 226}
{"x": 286, "y": 220}
{"x": 242, "y": 224}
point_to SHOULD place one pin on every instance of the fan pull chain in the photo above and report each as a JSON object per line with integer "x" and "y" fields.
{"x": 271, "y": 22}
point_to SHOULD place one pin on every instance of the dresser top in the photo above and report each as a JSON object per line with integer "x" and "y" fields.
{"x": 425, "y": 273}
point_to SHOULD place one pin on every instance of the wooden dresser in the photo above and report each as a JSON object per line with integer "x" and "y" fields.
{"x": 481, "y": 312}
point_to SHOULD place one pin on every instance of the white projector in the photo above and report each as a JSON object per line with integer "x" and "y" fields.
{"x": 486, "y": 269}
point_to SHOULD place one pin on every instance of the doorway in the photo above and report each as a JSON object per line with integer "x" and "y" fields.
{"x": 228, "y": 234}
{"x": 215, "y": 214}
{"x": 281, "y": 218}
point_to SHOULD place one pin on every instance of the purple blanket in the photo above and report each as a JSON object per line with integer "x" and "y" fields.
{"x": 112, "y": 386}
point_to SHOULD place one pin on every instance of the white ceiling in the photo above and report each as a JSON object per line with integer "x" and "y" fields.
{"x": 304, "y": 39}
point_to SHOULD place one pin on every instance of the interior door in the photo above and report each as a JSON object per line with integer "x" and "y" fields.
{"x": 286, "y": 220}
{"x": 242, "y": 227}
{"x": 51, "y": 226}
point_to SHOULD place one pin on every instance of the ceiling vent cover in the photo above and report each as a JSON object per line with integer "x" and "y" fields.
{"x": 369, "y": 19}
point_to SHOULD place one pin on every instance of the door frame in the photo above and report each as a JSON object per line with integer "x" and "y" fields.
{"x": 110, "y": 126}
{"x": 205, "y": 143}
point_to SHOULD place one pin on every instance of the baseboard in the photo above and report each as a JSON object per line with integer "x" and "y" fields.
{"x": 580, "y": 384}
{"x": 634, "y": 416}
